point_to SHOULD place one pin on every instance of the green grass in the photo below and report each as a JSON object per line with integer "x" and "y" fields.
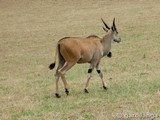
{"x": 121, "y": 92}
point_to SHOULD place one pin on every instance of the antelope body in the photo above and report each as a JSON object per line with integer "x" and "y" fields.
{"x": 72, "y": 50}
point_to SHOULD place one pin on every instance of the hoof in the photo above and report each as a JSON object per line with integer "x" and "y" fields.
{"x": 105, "y": 87}
{"x": 66, "y": 91}
{"x": 57, "y": 95}
{"x": 86, "y": 91}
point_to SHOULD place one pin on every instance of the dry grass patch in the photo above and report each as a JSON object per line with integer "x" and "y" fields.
{"x": 29, "y": 31}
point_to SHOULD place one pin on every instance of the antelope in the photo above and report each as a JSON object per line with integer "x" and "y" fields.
{"x": 72, "y": 50}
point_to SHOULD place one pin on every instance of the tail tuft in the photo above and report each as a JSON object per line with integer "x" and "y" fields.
{"x": 51, "y": 66}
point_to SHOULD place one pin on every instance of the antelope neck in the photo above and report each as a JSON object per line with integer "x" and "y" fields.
{"x": 106, "y": 43}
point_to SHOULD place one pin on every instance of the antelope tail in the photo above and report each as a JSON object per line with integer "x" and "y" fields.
{"x": 52, "y": 65}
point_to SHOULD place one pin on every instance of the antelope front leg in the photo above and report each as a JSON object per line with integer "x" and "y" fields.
{"x": 88, "y": 78}
{"x": 101, "y": 76}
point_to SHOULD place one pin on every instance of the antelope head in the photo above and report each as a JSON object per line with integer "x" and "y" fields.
{"x": 113, "y": 29}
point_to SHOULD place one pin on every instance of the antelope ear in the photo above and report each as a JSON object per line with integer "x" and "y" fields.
{"x": 105, "y": 29}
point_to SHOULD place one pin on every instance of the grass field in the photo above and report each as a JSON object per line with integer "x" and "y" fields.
{"x": 29, "y": 31}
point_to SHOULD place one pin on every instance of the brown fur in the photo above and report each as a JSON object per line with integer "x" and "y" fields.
{"x": 81, "y": 50}
{"x": 72, "y": 50}
{"x": 92, "y": 36}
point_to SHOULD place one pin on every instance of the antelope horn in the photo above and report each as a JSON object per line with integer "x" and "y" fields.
{"x": 105, "y": 29}
{"x": 105, "y": 24}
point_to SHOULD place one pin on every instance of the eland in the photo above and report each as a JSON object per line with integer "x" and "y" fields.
{"x": 72, "y": 50}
